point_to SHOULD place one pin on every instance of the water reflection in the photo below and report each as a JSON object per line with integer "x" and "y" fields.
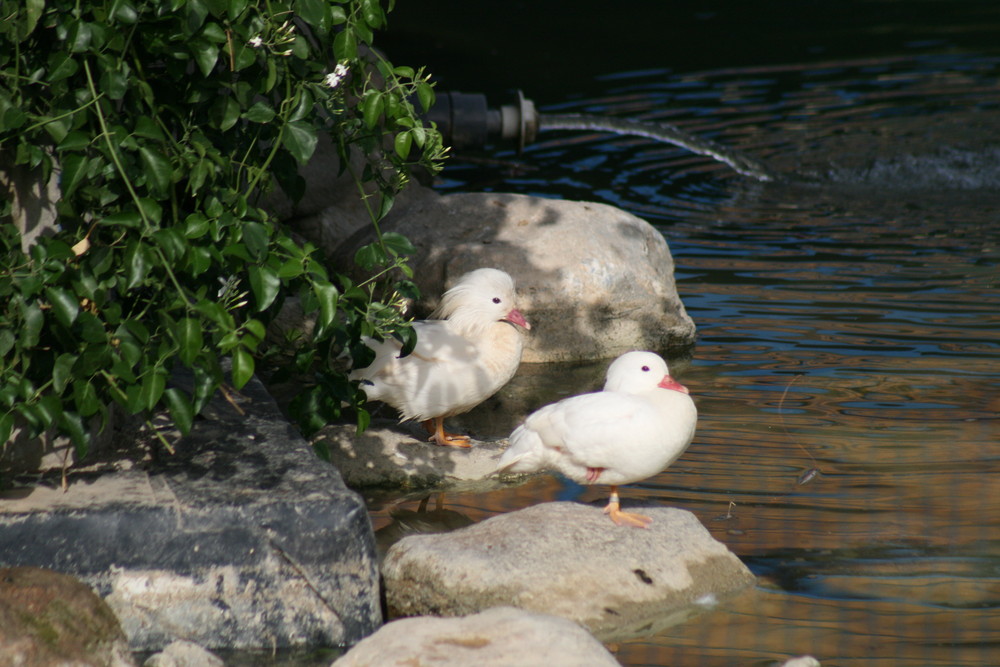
{"x": 849, "y": 326}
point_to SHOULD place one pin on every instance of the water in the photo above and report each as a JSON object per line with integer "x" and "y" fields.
{"x": 662, "y": 132}
{"x": 847, "y": 370}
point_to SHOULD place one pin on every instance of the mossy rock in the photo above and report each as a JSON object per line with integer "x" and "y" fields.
{"x": 48, "y": 618}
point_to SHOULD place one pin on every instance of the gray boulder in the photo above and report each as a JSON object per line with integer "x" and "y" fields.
{"x": 593, "y": 280}
{"x": 570, "y": 560}
{"x": 497, "y": 637}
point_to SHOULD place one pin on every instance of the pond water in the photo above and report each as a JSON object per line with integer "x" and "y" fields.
{"x": 847, "y": 368}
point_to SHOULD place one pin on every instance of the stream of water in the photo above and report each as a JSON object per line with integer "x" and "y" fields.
{"x": 847, "y": 369}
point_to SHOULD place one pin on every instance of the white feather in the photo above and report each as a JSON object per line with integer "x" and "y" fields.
{"x": 459, "y": 360}
{"x": 631, "y": 430}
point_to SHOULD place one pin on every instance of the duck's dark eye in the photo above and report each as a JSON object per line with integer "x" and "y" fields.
{"x": 496, "y": 299}
{"x": 645, "y": 369}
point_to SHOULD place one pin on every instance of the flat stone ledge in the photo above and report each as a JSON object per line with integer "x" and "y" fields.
{"x": 242, "y": 539}
{"x": 569, "y": 560}
{"x": 497, "y": 637}
{"x": 389, "y": 454}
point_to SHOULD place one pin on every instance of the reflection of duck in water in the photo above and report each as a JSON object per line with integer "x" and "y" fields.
{"x": 637, "y": 426}
{"x": 419, "y": 522}
{"x": 468, "y": 350}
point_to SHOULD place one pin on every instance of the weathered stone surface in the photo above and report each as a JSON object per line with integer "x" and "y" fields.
{"x": 569, "y": 560}
{"x": 593, "y": 280}
{"x": 499, "y": 637}
{"x": 388, "y": 454}
{"x": 422, "y": 521}
{"x": 28, "y": 453}
{"x": 48, "y": 618}
{"x": 183, "y": 653}
{"x": 242, "y": 539}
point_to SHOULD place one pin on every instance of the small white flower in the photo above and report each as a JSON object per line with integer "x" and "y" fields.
{"x": 256, "y": 42}
{"x": 334, "y": 78}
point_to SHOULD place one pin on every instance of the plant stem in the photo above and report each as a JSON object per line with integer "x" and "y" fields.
{"x": 128, "y": 184}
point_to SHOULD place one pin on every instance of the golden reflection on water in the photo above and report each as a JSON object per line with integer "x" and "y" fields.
{"x": 888, "y": 554}
{"x": 847, "y": 376}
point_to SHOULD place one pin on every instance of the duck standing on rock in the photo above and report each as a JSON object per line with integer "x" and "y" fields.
{"x": 637, "y": 426}
{"x": 466, "y": 351}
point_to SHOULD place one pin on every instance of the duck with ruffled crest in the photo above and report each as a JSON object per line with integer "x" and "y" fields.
{"x": 465, "y": 352}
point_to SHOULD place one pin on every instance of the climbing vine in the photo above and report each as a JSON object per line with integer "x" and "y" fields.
{"x": 160, "y": 126}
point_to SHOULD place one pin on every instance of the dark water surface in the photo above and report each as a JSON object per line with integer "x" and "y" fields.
{"x": 847, "y": 370}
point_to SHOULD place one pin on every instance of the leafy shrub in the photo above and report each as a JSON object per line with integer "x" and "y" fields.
{"x": 163, "y": 123}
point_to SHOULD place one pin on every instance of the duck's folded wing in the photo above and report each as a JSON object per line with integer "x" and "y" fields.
{"x": 592, "y": 429}
{"x": 437, "y": 342}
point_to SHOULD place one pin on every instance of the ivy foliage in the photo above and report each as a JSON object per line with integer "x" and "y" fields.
{"x": 164, "y": 122}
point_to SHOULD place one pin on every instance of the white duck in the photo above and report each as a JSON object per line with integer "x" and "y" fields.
{"x": 637, "y": 426}
{"x": 464, "y": 354}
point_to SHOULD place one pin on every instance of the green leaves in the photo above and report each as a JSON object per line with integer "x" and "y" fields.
{"x": 260, "y": 112}
{"x": 243, "y": 366}
{"x": 224, "y": 113}
{"x": 327, "y": 297}
{"x": 299, "y": 138}
{"x": 317, "y": 13}
{"x": 157, "y": 169}
{"x": 168, "y": 122}
{"x": 187, "y": 334}
{"x": 33, "y": 11}
{"x": 265, "y": 284}
{"x": 372, "y": 106}
{"x": 181, "y": 409}
{"x": 64, "y": 305}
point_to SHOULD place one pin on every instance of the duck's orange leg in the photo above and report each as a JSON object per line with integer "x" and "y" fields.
{"x": 624, "y": 518}
{"x": 439, "y": 436}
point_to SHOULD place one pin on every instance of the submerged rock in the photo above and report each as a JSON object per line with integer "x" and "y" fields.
{"x": 497, "y": 637}
{"x": 182, "y": 653}
{"x": 569, "y": 560}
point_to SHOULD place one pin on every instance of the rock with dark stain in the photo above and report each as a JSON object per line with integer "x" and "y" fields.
{"x": 567, "y": 559}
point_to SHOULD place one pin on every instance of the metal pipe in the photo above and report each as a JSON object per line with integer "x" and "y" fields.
{"x": 466, "y": 121}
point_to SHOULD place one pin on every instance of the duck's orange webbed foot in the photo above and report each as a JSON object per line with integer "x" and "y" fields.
{"x": 441, "y": 437}
{"x": 624, "y": 518}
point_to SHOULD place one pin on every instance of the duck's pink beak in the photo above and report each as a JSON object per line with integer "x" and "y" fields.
{"x": 515, "y": 317}
{"x": 669, "y": 383}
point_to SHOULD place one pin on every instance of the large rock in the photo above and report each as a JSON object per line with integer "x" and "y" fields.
{"x": 569, "y": 560}
{"x": 243, "y": 538}
{"x": 593, "y": 280}
{"x": 497, "y": 637}
{"x": 48, "y": 618}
